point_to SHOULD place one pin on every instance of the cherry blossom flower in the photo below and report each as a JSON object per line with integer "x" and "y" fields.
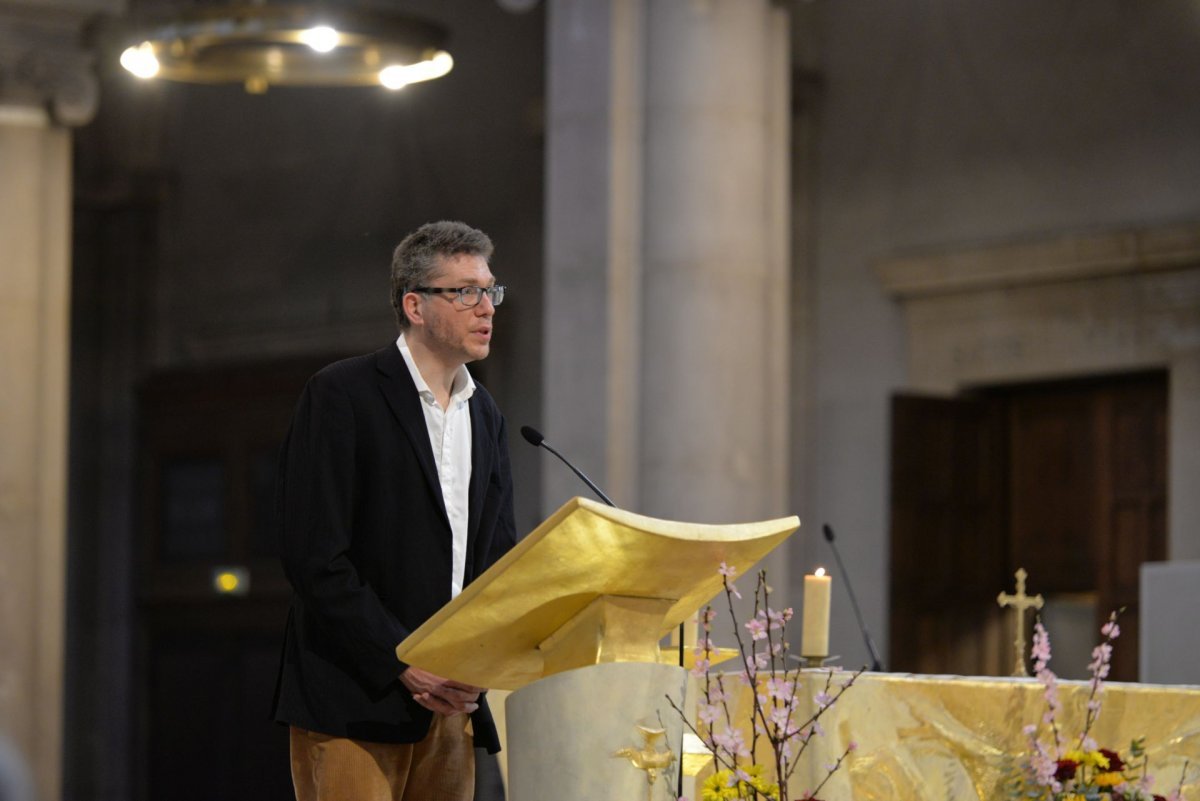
{"x": 708, "y": 713}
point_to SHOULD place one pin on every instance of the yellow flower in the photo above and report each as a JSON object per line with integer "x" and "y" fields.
{"x": 1093, "y": 759}
{"x": 1111, "y": 779}
{"x": 721, "y": 786}
{"x": 1074, "y": 797}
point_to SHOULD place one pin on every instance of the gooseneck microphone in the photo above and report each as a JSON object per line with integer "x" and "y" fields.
{"x": 876, "y": 664}
{"x": 535, "y": 438}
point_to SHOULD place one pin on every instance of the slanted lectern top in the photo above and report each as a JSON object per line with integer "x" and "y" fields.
{"x": 591, "y": 584}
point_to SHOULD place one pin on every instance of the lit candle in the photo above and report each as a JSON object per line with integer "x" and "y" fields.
{"x": 814, "y": 641}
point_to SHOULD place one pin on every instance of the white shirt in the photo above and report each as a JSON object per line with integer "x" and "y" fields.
{"x": 450, "y": 435}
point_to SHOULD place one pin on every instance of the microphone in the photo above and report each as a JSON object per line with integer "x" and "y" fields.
{"x": 535, "y": 438}
{"x": 876, "y": 663}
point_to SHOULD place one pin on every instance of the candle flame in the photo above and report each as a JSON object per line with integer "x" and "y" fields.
{"x": 820, "y": 571}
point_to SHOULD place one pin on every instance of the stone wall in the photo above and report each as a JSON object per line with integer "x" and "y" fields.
{"x": 948, "y": 126}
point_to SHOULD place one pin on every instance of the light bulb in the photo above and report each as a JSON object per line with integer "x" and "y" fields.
{"x": 322, "y": 38}
{"x": 397, "y": 76}
{"x": 140, "y": 60}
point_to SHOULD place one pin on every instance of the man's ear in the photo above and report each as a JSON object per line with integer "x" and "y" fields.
{"x": 411, "y": 306}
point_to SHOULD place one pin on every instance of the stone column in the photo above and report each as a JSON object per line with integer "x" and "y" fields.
{"x": 34, "y": 293}
{"x": 593, "y": 245}
{"x": 667, "y": 291}
{"x": 46, "y": 86}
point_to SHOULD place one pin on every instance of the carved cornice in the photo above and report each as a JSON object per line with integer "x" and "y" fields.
{"x": 1068, "y": 258}
{"x": 43, "y": 61}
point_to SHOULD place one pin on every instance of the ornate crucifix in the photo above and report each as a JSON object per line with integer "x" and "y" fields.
{"x": 1019, "y": 601}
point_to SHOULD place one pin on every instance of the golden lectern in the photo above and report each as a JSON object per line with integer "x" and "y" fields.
{"x": 572, "y": 617}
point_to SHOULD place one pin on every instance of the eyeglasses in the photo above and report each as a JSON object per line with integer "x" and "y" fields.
{"x": 468, "y": 296}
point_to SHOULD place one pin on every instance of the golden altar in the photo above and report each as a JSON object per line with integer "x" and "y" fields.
{"x": 943, "y": 738}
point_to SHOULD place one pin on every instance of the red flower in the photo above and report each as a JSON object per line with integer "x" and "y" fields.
{"x": 1114, "y": 760}
{"x": 1066, "y": 770}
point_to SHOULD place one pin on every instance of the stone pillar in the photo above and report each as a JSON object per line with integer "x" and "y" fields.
{"x": 34, "y": 292}
{"x": 667, "y": 292}
{"x": 715, "y": 278}
{"x": 592, "y": 312}
{"x": 47, "y": 85}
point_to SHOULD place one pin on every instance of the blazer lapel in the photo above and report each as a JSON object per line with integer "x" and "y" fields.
{"x": 401, "y": 393}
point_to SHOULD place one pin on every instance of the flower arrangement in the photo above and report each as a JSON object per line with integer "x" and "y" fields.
{"x": 1078, "y": 769}
{"x": 775, "y": 714}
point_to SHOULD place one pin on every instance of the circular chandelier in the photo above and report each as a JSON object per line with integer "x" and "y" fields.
{"x": 260, "y": 46}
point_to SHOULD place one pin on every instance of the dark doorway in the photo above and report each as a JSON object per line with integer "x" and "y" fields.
{"x": 211, "y": 596}
{"x": 1065, "y": 479}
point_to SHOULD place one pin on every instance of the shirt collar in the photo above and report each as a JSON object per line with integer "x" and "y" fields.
{"x": 461, "y": 391}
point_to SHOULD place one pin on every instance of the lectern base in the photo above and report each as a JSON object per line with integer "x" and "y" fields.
{"x": 592, "y": 733}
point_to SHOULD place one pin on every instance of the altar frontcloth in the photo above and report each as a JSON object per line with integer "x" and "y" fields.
{"x": 952, "y": 738}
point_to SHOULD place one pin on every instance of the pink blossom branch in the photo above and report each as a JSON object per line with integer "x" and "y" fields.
{"x": 1101, "y": 657}
{"x": 812, "y": 721}
{"x": 852, "y": 746}
{"x": 1046, "y": 676}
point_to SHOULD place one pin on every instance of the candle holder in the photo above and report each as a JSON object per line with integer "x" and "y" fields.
{"x": 812, "y": 662}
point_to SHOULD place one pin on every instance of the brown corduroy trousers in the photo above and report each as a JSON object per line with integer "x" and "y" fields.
{"x": 439, "y": 768}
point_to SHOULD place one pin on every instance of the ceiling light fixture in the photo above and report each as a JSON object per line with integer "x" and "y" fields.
{"x": 260, "y": 46}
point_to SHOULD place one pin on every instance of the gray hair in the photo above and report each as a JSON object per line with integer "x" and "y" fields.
{"x": 419, "y": 257}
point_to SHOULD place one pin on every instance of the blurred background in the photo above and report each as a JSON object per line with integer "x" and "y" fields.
{"x": 928, "y": 272}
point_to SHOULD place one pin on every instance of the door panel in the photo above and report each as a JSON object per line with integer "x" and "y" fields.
{"x": 1067, "y": 480}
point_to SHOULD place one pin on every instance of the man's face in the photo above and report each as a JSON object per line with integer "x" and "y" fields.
{"x": 455, "y": 333}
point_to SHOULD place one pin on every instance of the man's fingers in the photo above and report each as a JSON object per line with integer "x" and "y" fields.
{"x": 469, "y": 688}
{"x": 443, "y": 706}
{"x": 434, "y": 704}
{"x": 455, "y": 694}
{"x": 417, "y": 680}
{"x": 456, "y": 698}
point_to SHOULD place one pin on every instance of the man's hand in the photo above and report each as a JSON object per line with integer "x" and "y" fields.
{"x": 440, "y": 695}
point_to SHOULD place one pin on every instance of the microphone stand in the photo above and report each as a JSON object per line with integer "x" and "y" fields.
{"x": 876, "y": 663}
{"x": 535, "y": 438}
{"x": 579, "y": 473}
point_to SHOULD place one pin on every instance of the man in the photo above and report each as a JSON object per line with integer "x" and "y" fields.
{"x": 394, "y": 493}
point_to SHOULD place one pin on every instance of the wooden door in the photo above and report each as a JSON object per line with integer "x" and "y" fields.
{"x": 1088, "y": 468}
{"x": 1067, "y": 480}
{"x": 207, "y": 659}
{"x": 948, "y": 549}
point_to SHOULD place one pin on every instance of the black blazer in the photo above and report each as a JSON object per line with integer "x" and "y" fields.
{"x": 366, "y": 544}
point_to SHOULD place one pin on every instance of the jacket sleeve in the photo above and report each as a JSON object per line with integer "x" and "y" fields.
{"x": 315, "y": 500}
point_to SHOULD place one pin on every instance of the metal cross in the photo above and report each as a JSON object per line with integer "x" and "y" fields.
{"x": 1019, "y": 601}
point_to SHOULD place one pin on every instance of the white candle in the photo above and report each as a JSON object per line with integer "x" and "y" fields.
{"x": 814, "y": 641}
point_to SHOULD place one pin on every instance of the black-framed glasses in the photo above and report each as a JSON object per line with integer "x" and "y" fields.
{"x": 468, "y": 296}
